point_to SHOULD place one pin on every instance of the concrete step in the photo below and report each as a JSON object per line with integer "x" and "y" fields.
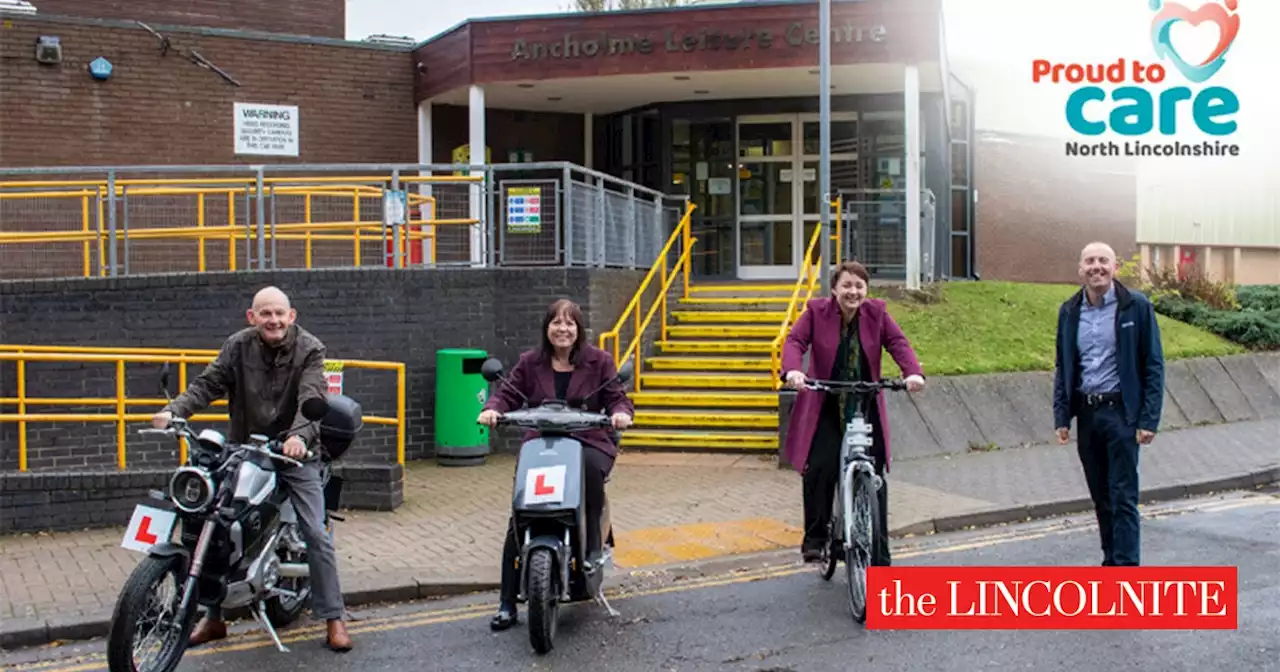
{"x": 685, "y": 399}
{"x": 708, "y": 364}
{"x": 755, "y": 347}
{"x": 723, "y": 331}
{"x": 773, "y": 317}
{"x": 706, "y": 419}
{"x": 707, "y": 381}
{"x": 745, "y": 441}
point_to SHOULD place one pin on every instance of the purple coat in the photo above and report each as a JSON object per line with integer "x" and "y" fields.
{"x": 819, "y": 329}
{"x": 534, "y": 376}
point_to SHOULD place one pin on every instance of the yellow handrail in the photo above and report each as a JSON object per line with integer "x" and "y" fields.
{"x": 808, "y": 280}
{"x": 682, "y": 233}
{"x": 21, "y": 354}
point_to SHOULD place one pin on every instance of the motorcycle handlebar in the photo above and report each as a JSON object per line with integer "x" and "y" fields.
{"x": 272, "y": 449}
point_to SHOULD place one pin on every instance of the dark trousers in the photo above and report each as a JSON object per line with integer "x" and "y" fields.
{"x": 822, "y": 473}
{"x": 1108, "y": 449}
{"x": 598, "y": 465}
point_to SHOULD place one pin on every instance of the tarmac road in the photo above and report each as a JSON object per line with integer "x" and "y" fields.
{"x": 769, "y": 614}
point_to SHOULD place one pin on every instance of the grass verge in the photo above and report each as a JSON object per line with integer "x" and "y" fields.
{"x": 993, "y": 327}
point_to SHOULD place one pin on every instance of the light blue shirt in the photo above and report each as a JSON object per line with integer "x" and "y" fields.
{"x": 1096, "y": 342}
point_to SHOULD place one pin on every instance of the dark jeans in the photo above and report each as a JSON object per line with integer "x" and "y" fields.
{"x": 822, "y": 474}
{"x": 1108, "y": 449}
{"x": 598, "y": 465}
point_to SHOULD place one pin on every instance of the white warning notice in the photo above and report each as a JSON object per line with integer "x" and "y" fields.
{"x": 266, "y": 129}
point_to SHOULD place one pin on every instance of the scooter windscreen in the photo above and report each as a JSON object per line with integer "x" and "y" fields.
{"x": 555, "y": 417}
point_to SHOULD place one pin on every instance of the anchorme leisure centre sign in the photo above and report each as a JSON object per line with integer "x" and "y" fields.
{"x": 590, "y": 45}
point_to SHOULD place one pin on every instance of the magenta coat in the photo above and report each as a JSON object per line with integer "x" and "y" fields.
{"x": 819, "y": 329}
{"x": 534, "y": 376}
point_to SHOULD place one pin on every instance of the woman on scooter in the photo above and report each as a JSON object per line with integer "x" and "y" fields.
{"x": 827, "y": 331}
{"x": 563, "y": 368}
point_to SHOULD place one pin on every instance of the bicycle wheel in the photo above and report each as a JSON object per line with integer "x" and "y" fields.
{"x": 835, "y": 542}
{"x": 857, "y": 556}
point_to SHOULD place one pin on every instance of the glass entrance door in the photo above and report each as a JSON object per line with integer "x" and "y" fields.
{"x": 779, "y": 188}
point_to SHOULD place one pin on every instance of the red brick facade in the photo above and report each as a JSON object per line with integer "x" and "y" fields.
{"x": 316, "y": 18}
{"x": 355, "y": 102}
{"x": 1037, "y": 208}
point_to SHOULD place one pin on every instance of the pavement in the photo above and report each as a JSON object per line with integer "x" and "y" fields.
{"x": 769, "y": 613}
{"x": 667, "y": 509}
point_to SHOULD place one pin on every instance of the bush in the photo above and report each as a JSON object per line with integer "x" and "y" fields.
{"x": 1189, "y": 283}
{"x": 1259, "y": 298}
{"x": 1253, "y": 329}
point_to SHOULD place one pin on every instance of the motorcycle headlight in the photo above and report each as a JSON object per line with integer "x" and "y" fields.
{"x": 191, "y": 489}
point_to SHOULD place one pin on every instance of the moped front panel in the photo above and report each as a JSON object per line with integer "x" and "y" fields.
{"x": 549, "y": 476}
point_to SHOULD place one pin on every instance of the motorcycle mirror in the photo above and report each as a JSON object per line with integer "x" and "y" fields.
{"x": 164, "y": 379}
{"x": 491, "y": 369}
{"x": 315, "y": 408}
{"x": 627, "y": 372}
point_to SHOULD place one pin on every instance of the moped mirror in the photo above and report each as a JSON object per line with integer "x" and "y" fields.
{"x": 491, "y": 369}
{"x": 627, "y": 372}
{"x": 315, "y": 408}
{"x": 164, "y": 379}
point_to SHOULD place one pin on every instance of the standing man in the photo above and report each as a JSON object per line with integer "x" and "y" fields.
{"x": 1109, "y": 375}
{"x": 266, "y": 371}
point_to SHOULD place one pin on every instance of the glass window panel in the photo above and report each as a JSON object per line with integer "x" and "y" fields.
{"x": 765, "y": 188}
{"x": 766, "y": 243}
{"x": 844, "y": 176}
{"x": 770, "y": 139}
{"x": 844, "y": 137}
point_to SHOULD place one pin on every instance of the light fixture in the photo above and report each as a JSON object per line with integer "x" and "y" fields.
{"x": 49, "y": 49}
{"x": 525, "y": 86}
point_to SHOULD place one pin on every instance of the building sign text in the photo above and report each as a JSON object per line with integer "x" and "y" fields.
{"x": 592, "y": 45}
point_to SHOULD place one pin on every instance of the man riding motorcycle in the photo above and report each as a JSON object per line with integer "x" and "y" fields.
{"x": 266, "y": 371}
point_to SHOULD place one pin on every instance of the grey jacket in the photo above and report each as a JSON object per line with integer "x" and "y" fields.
{"x": 264, "y": 385}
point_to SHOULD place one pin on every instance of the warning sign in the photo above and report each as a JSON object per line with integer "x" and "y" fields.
{"x": 333, "y": 376}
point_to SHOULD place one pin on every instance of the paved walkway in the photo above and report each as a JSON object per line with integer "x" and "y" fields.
{"x": 666, "y": 508}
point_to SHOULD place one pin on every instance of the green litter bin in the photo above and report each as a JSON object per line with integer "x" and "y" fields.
{"x": 461, "y": 391}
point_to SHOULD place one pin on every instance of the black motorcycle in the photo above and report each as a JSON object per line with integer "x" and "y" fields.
{"x": 239, "y": 546}
{"x": 550, "y": 511}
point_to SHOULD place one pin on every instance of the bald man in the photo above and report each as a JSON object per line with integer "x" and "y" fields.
{"x": 1109, "y": 376}
{"x": 266, "y": 371}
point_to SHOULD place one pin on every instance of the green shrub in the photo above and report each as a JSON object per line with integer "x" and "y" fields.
{"x": 1253, "y": 329}
{"x": 1259, "y": 298}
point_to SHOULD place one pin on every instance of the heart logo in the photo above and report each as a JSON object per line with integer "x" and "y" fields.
{"x": 1228, "y": 27}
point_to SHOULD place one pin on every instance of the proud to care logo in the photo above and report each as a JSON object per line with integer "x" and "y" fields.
{"x": 1143, "y": 102}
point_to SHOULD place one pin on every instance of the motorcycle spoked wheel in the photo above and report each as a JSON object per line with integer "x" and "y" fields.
{"x": 137, "y": 597}
{"x": 282, "y": 610}
{"x": 544, "y": 602}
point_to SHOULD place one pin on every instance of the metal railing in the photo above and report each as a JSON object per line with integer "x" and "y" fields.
{"x": 121, "y": 402}
{"x": 666, "y": 277}
{"x": 130, "y": 220}
{"x": 806, "y": 282}
{"x": 876, "y": 220}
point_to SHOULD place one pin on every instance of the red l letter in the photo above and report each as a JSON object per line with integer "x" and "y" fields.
{"x": 144, "y": 532}
{"x": 540, "y": 486}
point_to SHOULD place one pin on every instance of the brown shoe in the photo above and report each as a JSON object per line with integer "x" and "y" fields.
{"x": 339, "y": 640}
{"x": 207, "y": 631}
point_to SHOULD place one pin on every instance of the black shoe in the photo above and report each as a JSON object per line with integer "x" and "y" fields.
{"x": 811, "y": 551}
{"x": 506, "y": 617}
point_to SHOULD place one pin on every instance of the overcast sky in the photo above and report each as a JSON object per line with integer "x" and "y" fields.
{"x": 990, "y": 42}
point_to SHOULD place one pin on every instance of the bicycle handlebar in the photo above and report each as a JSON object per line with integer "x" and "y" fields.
{"x": 858, "y": 387}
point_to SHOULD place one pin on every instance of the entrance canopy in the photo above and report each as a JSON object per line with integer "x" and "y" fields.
{"x": 624, "y": 92}
{"x": 609, "y": 61}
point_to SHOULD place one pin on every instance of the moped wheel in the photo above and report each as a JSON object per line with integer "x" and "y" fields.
{"x": 147, "y": 632}
{"x": 544, "y": 600}
{"x": 857, "y": 559}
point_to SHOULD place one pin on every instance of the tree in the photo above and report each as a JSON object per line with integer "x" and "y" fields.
{"x": 607, "y": 5}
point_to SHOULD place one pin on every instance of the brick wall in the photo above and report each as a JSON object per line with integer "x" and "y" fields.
{"x": 355, "y": 102}
{"x": 359, "y": 314}
{"x": 320, "y": 18}
{"x": 1037, "y": 208}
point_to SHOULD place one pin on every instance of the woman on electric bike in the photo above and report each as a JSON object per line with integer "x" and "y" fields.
{"x": 827, "y": 329}
{"x": 563, "y": 368}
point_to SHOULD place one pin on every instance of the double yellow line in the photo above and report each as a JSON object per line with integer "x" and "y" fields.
{"x": 258, "y": 640}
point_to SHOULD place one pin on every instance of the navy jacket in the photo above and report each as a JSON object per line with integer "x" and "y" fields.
{"x": 1139, "y": 359}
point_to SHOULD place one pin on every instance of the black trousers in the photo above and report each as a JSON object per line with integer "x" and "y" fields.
{"x": 1108, "y": 448}
{"x": 598, "y": 465}
{"x": 823, "y": 473}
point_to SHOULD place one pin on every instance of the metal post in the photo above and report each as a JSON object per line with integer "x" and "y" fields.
{"x": 274, "y": 249}
{"x": 398, "y": 259}
{"x": 824, "y": 137}
{"x": 124, "y": 208}
{"x": 567, "y": 180}
{"x": 262, "y": 225}
{"x": 111, "y": 221}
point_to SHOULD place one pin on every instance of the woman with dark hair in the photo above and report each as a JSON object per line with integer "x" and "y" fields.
{"x": 845, "y": 336}
{"x": 565, "y": 367}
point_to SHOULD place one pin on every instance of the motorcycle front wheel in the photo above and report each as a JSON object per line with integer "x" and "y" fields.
{"x": 544, "y": 600}
{"x": 146, "y": 616}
